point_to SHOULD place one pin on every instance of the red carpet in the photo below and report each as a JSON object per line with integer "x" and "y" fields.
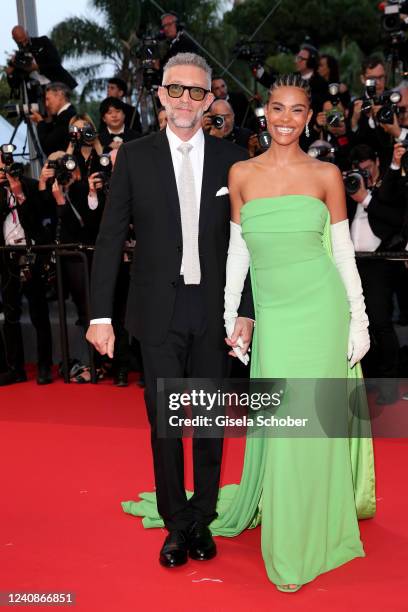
{"x": 70, "y": 454}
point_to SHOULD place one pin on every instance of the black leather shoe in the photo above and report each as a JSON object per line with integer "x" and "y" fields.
{"x": 174, "y": 550}
{"x": 121, "y": 378}
{"x": 44, "y": 375}
{"x": 201, "y": 545}
{"x": 11, "y": 377}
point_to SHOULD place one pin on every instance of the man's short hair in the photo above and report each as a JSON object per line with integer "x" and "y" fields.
{"x": 120, "y": 83}
{"x": 110, "y": 102}
{"x": 371, "y": 62}
{"x": 188, "y": 59}
{"x": 361, "y": 153}
{"x": 62, "y": 87}
{"x": 217, "y": 77}
{"x": 224, "y": 102}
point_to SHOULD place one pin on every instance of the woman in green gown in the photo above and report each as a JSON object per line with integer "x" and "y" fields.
{"x": 288, "y": 213}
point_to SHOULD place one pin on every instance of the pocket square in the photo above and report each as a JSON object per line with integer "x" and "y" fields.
{"x": 222, "y": 191}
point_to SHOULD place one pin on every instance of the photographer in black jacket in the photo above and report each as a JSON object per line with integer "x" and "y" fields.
{"x": 53, "y": 129}
{"x": 45, "y": 66}
{"x": 376, "y": 213}
{"x": 21, "y": 222}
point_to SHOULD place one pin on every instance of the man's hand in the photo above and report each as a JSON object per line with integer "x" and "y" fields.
{"x": 243, "y": 329}
{"x": 58, "y": 194}
{"x": 95, "y": 182}
{"x": 16, "y": 187}
{"x": 356, "y": 113}
{"x": 253, "y": 145}
{"x": 399, "y": 151}
{"x": 46, "y": 174}
{"x": 101, "y": 336}
{"x": 36, "y": 117}
{"x": 361, "y": 194}
{"x": 393, "y": 129}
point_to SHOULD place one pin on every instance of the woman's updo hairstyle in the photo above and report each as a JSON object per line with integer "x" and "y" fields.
{"x": 291, "y": 80}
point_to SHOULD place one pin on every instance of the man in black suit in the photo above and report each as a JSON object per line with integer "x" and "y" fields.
{"x": 46, "y": 66}
{"x": 173, "y": 183}
{"x": 178, "y": 41}
{"x": 117, "y": 88}
{"x": 376, "y": 214}
{"x": 21, "y": 222}
{"x": 113, "y": 130}
{"x": 53, "y": 130}
{"x": 244, "y": 115}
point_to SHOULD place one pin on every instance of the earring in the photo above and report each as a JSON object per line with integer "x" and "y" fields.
{"x": 307, "y": 131}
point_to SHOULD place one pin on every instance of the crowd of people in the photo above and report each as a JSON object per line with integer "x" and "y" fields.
{"x": 365, "y": 136}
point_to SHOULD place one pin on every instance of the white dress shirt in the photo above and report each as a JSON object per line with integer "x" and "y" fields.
{"x": 13, "y": 231}
{"x": 197, "y": 161}
{"x": 362, "y": 235}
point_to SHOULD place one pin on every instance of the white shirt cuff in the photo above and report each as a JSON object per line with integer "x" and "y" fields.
{"x": 105, "y": 321}
{"x": 366, "y": 200}
{"x": 394, "y": 166}
{"x": 403, "y": 135}
{"x": 92, "y": 201}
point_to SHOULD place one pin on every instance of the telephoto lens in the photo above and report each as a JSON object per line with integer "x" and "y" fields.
{"x": 218, "y": 121}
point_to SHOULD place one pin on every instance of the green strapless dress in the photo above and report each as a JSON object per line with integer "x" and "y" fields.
{"x": 307, "y": 493}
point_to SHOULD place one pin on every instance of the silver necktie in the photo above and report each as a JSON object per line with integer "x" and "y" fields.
{"x": 189, "y": 218}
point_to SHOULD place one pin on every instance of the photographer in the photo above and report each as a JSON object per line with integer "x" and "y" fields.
{"x": 38, "y": 59}
{"x": 114, "y": 131}
{"x": 220, "y": 122}
{"x": 331, "y": 127}
{"x": 329, "y": 70}
{"x": 84, "y": 144}
{"x": 365, "y": 125}
{"x": 117, "y": 88}
{"x": 53, "y": 130}
{"x": 98, "y": 190}
{"x": 177, "y": 40}
{"x": 64, "y": 189}
{"x": 244, "y": 115}
{"x": 21, "y": 219}
{"x": 376, "y": 207}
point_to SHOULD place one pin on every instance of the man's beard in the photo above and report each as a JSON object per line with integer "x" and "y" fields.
{"x": 183, "y": 122}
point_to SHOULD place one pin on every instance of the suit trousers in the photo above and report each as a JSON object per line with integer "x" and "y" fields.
{"x": 377, "y": 281}
{"x": 186, "y": 352}
{"x": 34, "y": 290}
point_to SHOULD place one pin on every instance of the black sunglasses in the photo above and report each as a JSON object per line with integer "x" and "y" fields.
{"x": 196, "y": 93}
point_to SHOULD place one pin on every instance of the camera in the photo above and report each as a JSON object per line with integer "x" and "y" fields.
{"x": 334, "y": 116}
{"x": 149, "y": 53}
{"x": 23, "y": 110}
{"x": 387, "y": 100}
{"x": 322, "y": 150}
{"x": 22, "y": 59}
{"x": 64, "y": 167}
{"x": 252, "y": 52}
{"x": 353, "y": 179}
{"x": 105, "y": 174}
{"x": 264, "y": 137}
{"x": 217, "y": 121}
{"x": 391, "y": 21}
{"x": 82, "y": 135}
{"x": 12, "y": 168}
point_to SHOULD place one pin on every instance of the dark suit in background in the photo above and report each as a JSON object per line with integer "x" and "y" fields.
{"x": 53, "y": 135}
{"x": 49, "y": 61}
{"x": 180, "y": 327}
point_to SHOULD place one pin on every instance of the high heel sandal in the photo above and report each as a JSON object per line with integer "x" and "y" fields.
{"x": 288, "y": 588}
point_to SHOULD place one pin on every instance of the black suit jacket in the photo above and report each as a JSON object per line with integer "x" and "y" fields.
{"x": 143, "y": 186}
{"x": 49, "y": 61}
{"x": 31, "y": 212}
{"x": 54, "y": 135}
{"x": 385, "y": 211}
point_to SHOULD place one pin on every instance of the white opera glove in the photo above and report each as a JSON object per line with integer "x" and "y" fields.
{"x": 344, "y": 257}
{"x": 237, "y": 270}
